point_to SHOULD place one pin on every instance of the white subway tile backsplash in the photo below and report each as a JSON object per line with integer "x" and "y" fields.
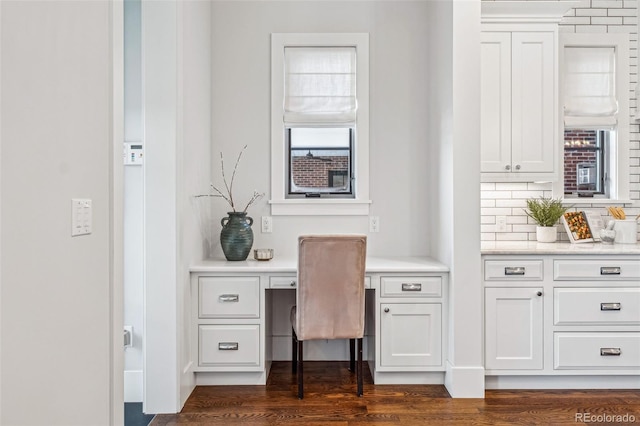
{"x": 608, "y": 20}
{"x": 591, "y": 12}
{"x": 496, "y": 211}
{"x": 513, "y": 236}
{"x": 511, "y": 203}
{"x": 511, "y": 186}
{"x": 591, "y": 28}
{"x": 487, "y": 203}
{"x": 517, "y": 219}
{"x": 495, "y": 194}
{"x": 576, "y": 20}
{"x": 527, "y": 194}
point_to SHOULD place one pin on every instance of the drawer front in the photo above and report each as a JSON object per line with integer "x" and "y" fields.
{"x": 291, "y": 282}
{"x": 596, "y": 350}
{"x": 606, "y": 306}
{"x": 227, "y": 345}
{"x": 615, "y": 270}
{"x": 411, "y": 286}
{"x": 513, "y": 270}
{"x": 229, "y": 297}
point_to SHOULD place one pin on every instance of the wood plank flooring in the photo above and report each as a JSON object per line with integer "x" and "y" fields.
{"x": 330, "y": 399}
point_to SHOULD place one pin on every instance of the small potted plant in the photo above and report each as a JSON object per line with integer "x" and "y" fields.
{"x": 545, "y": 212}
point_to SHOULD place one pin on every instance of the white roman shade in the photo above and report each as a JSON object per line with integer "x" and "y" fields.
{"x": 320, "y": 85}
{"x": 589, "y": 86}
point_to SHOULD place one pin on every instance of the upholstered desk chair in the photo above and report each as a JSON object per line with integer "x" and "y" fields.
{"x": 330, "y": 296}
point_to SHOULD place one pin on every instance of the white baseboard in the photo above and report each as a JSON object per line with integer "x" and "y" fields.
{"x": 563, "y": 382}
{"x": 464, "y": 382}
{"x": 133, "y": 386}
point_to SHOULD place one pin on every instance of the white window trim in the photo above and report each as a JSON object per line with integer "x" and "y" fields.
{"x": 619, "y": 189}
{"x": 280, "y": 205}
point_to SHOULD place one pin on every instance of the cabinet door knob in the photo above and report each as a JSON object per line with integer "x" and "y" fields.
{"x": 386, "y": 309}
{"x": 507, "y": 167}
{"x": 517, "y": 166}
{"x": 292, "y": 283}
{"x": 539, "y": 293}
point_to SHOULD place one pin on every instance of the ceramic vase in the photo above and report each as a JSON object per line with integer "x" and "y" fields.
{"x": 236, "y": 237}
{"x": 546, "y": 234}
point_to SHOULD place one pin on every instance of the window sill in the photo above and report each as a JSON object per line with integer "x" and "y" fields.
{"x": 587, "y": 200}
{"x": 319, "y": 207}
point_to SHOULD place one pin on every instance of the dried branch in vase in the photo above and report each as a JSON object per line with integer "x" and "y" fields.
{"x": 228, "y": 186}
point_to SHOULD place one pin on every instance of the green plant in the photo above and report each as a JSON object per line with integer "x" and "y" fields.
{"x": 545, "y": 211}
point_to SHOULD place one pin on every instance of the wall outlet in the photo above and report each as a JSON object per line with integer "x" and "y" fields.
{"x": 374, "y": 224}
{"x": 501, "y": 224}
{"x": 267, "y": 224}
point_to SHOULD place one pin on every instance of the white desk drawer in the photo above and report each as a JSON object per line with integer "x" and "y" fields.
{"x": 229, "y": 345}
{"x": 291, "y": 282}
{"x": 606, "y": 306}
{"x": 577, "y": 269}
{"x": 513, "y": 270}
{"x": 411, "y": 286}
{"x": 283, "y": 282}
{"x": 596, "y": 350}
{"x": 229, "y": 297}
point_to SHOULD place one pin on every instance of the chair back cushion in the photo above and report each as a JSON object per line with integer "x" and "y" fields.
{"x": 330, "y": 294}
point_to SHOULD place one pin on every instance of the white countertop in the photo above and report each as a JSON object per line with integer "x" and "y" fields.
{"x": 288, "y": 265}
{"x": 534, "y": 247}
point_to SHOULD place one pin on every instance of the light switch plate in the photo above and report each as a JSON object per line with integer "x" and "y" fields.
{"x": 81, "y": 216}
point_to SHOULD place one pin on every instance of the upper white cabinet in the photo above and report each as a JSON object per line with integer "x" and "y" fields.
{"x": 520, "y": 126}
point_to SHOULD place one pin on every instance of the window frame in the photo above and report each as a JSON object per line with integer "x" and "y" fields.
{"x": 280, "y": 203}
{"x": 618, "y": 155}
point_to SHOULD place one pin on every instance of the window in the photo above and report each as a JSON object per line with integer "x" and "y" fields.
{"x": 320, "y": 124}
{"x": 586, "y": 168}
{"x": 320, "y": 162}
{"x": 594, "y": 91}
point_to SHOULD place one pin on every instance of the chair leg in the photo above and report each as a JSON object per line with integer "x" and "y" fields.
{"x": 352, "y": 355}
{"x": 294, "y": 351}
{"x": 359, "y": 372}
{"x": 300, "y": 371}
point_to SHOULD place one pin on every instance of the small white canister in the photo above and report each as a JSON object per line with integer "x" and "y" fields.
{"x": 626, "y": 231}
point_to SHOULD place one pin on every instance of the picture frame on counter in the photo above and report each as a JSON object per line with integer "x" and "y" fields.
{"x": 577, "y": 226}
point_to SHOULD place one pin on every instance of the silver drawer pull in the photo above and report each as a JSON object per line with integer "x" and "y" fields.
{"x": 228, "y": 346}
{"x": 610, "y": 352}
{"x": 514, "y": 270}
{"x": 411, "y": 287}
{"x": 229, "y": 297}
{"x": 610, "y": 306}
{"x": 609, "y": 270}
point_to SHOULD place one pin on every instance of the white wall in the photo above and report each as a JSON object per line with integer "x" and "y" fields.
{"x": 399, "y": 143}
{"x": 57, "y": 291}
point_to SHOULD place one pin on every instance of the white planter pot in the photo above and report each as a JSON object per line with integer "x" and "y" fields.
{"x": 546, "y": 234}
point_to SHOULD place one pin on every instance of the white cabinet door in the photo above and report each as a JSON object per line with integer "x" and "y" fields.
{"x": 495, "y": 101}
{"x": 513, "y": 328}
{"x": 518, "y": 90}
{"x": 410, "y": 334}
{"x": 533, "y": 108}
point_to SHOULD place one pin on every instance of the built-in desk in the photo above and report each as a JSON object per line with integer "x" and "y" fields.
{"x": 240, "y": 320}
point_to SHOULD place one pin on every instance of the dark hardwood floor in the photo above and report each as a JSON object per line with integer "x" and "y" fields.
{"x": 330, "y": 399}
